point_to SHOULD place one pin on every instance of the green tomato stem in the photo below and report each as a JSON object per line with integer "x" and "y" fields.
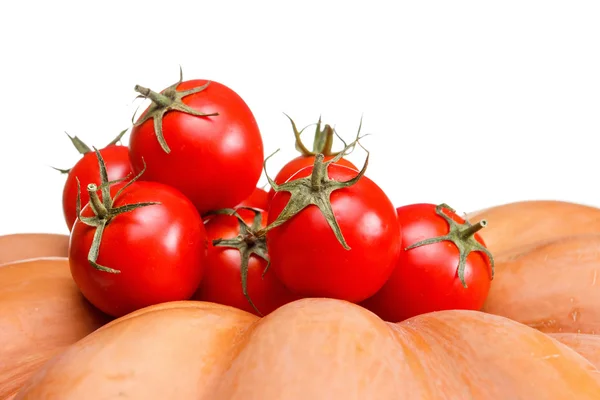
{"x": 319, "y": 173}
{"x": 472, "y": 230}
{"x": 95, "y": 202}
{"x": 158, "y": 98}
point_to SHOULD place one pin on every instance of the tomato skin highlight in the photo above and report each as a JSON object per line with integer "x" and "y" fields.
{"x": 426, "y": 278}
{"x": 298, "y": 163}
{"x": 87, "y": 171}
{"x": 222, "y": 278}
{"x": 160, "y": 250}
{"x": 309, "y": 260}
{"x": 216, "y": 161}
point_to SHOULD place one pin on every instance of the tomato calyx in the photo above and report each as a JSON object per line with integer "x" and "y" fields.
{"x": 315, "y": 190}
{"x": 104, "y": 210}
{"x": 247, "y": 242}
{"x": 462, "y": 235}
{"x": 79, "y": 145}
{"x": 323, "y": 141}
{"x": 169, "y": 99}
{"x": 83, "y": 148}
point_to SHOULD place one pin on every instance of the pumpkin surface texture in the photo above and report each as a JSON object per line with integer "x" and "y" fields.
{"x": 313, "y": 349}
{"x": 554, "y": 287}
{"x": 522, "y": 224}
{"x": 41, "y": 312}
{"x": 22, "y": 246}
{"x": 585, "y": 344}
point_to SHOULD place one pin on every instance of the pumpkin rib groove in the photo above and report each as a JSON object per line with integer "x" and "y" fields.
{"x": 30, "y": 246}
{"x": 553, "y": 288}
{"x": 522, "y": 223}
{"x": 43, "y": 312}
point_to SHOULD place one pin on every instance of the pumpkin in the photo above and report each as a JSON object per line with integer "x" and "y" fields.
{"x": 519, "y": 225}
{"x": 585, "y": 344}
{"x": 21, "y": 246}
{"x": 313, "y": 349}
{"x": 41, "y": 312}
{"x": 554, "y": 287}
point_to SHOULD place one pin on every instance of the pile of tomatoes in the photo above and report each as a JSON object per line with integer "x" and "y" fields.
{"x": 177, "y": 215}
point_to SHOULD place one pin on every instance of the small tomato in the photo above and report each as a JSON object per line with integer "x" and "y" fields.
{"x": 201, "y": 138}
{"x": 332, "y": 232}
{"x": 323, "y": 143}
{"x": 236, "y": 264}
{"x": 444, "y": 265}
{"x": 144, "y": 246}
{"x": 86, "y": 170}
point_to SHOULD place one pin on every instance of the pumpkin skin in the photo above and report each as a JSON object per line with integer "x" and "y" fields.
{"x": 313, "y": 349}
{"x": 585, "y": 344}
{"x": 22, "y": 246}
{"x": 553, "y": 287}
{"x": 518, "y": 226}
{"x": 41, "y": 312}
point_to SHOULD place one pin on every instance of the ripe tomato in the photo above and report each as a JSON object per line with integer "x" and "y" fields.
{"x": 152, "y": 248}
{"x": 323, "y": 142}
{"x": 118, "y": 166}
{"x": 428, "y": 276}
{"x": 298, "y": 163}
{"x": 335, "y": 236}
{"x": 237, "y": 259}
{"x": 258, "y": 199}
{"x": 215, "y": 159}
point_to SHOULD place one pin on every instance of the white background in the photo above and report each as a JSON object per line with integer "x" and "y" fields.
{"x": 472, "y": 103}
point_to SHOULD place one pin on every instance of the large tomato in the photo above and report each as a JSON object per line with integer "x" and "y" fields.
{"x": 332, "y": 233}
{"x": 323, "y": 143}
{"x": 201, "y": 138}
{"x": 444, "y": 265}
{"x": 236, "y": 261}
{"x": 146, "y": 245}
{"x": 118, "y": 166}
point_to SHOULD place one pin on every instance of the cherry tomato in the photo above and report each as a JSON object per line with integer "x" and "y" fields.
{"x": 298, "y": 163}
{"x": 152, "y": 253}
{"x": 323, "y": 142}
{"x": 258, "y": 199}
{"x": 118, "y": 166}
{"x": 215, "y": 159}
{"x": 224, "y": 274}
{"x": 427, "y": 277}
{"x": 309, "y": 258}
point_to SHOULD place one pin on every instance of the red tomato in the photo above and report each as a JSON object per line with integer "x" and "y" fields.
{"x": 118, "y": 166}
{"x": 157, "y": 251}
{"x": 223, "y": 279}
{"x": 323, "y": 142}
{"x": 305, "y": 253}
{"x": 258, "y": 199}
{"x": 298, "y": 163}
{"x": 426, "y": 277}
{"x": 215, "y": 160}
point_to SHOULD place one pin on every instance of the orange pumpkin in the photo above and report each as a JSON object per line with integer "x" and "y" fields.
{"x": 313, "y": 349}
{"x": 41, "y": 312}
{"x": 22, "y": 246}
{"x": 585, "y": 344}
{"x": 554, "y": 287}
{"x": 522, "y": 224}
